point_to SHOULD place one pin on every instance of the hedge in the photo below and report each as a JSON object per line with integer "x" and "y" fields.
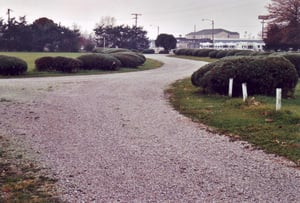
{"x": 130, "y": 59}
{"x": 59, "y": 63}
{"x": 99, "y": 62}
{"x": 66, "y": 65}
{"x": 262, "y": 75}
{"x": 294, "y": 59}
{"x": 148, "y": 51}
{"x": 10, "y": 65}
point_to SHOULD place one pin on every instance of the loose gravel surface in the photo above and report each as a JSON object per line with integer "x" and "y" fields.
{"x": 115, "y": 138}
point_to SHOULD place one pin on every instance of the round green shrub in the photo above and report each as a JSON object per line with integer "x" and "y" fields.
{"x": 10, "y": 65}
{"x": 99, "y": 62}
{"x": 163, "y": 52}
{"x": 148, "y": 51}
{"x": 203, "y": 52}
{"x": 213, "y": 53}
{"x": 130, "y": 59}
{"x": 221, "y": 54}
{"x": 44, "y": 63}
{"x": 262, "y": 75}
{"x": 65, "y": 64}
{"x": 294, "y": 59}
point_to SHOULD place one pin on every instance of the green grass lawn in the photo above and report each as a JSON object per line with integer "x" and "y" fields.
{"x": 30, "y": 57}
{"x": 255, "y": 121}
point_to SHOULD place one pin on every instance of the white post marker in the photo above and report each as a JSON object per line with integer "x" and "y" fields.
{"x": 245, "y": 94}
{"x": 278, "y": 99}
{"x": 230, "y": 87}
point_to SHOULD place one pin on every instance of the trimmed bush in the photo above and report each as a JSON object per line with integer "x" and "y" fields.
{"x": 10, "y": 65}
{"x": 44, "y": 63}
{"x": 66, "y": 65}
{"x": 262, "y": 75}
{"x": 163, "y": 52}
{"x": 221, "y": 54}
{"x": 295, "y": 60}
{"x": 203, "y": 52}
{"x": 59, "y": 63}
{"x": 130, "y": 59}
{"x": 99, "y": 62}
{"x": 213, "y": 54}
{"x": 149, "y": 51}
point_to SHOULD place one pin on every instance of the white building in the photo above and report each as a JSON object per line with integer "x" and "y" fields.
{"x": 223, "y": 39}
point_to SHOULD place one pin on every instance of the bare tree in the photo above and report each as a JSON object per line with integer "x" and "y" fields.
{"x": 284, "y": 11}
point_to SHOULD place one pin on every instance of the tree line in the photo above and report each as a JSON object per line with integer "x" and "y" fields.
{"x": 46, "y": 35}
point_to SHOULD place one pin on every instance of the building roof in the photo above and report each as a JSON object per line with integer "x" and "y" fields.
{"x": 209, "y": 32}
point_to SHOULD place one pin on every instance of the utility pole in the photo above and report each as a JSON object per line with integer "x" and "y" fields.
{"x": 136, "y": 15}
{"x": 8, "y": 15}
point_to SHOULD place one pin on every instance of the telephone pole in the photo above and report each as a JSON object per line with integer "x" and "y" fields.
{"x": 8, "y": 15}
{"x": 136, "y": 15}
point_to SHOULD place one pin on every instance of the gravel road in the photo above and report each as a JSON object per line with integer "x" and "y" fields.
{"x": 115, "y": 138}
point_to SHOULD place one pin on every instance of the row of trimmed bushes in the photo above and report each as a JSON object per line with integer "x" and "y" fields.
{"x": 213, "y": 53}
{"x": 10, "y": 65}
{"x": 99, "y": 61}
{"x": 263, "y": 74}
{"x": 294, "y": 58}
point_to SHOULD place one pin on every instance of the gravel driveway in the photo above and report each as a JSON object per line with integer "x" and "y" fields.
{"x": 115, "y": 138}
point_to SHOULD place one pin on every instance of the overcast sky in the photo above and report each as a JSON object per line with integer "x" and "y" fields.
{"x": 177, "y": 17}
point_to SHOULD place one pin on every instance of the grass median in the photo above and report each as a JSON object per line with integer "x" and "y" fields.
{"x": 255, "y": 120}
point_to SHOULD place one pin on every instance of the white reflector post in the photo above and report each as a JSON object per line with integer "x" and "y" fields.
{"x": 244, "y": 88}
{"x": 278, "y": 99}
{"x": 230, "y": 87}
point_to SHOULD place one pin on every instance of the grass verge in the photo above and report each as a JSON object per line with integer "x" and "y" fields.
{"x": 196, "y": 58}
{"x": 255, "y": 120}
{"x": 21, "y": 180}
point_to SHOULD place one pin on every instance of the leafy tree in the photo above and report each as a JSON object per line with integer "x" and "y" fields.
{"x": 284, "y": 26}
{"x": 18, "y": 35}
{"x": 121, "y": 37}
{"x": 166, "y": 41}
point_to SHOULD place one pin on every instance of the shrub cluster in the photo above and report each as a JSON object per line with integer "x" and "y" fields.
{"x": 263, "y": 74}
{"x": 59, "y": 63}
{"x": 12, "y": 66}
{"x": 99, "y": 62}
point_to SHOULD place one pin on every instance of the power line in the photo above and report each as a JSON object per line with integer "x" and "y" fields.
{"x": 136, "y": 15}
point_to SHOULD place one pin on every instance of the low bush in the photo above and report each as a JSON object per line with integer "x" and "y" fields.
{"x": 44, "y": 63}
{"x": 99, "y": 62}
{"x": 12, "y": 65}
{"x": 59, "y": 63}
{"x": 221, "y": 54}
{"x": 66, "y": 65}
{"x": 179, "y": 51}
{"x": 163, "y": 52}
{"x": 262, "y": 75}
{"x": 203, "y": 52}
{"x": 130, "y": 59}
{"x": 213, "y": 54}
{"x": 149, "y": 51}
{"x": 294, "y": 59}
